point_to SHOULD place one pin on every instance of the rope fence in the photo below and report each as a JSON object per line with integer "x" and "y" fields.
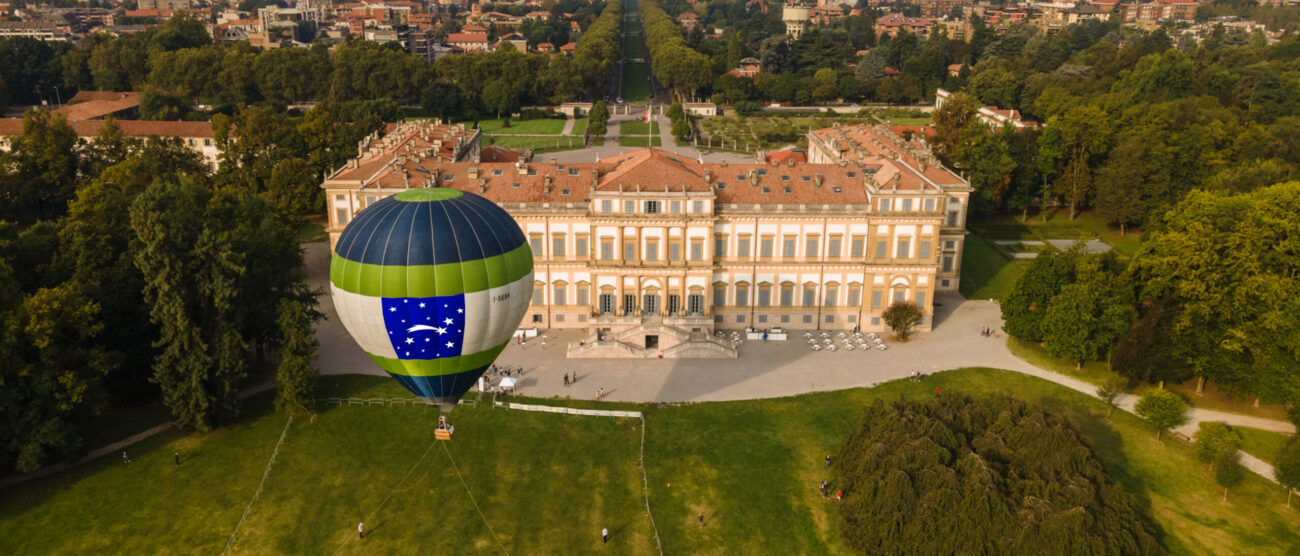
{"x": 265, "y": 473}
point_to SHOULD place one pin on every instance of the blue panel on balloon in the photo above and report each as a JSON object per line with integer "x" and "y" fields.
{"x": 425, "y": 327}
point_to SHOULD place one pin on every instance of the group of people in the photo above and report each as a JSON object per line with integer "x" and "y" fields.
{"x": 505, "y": 371}
{"x": 989, "y": 331}
{"x": 600, "y": 393}
{"x": 839, "y": 494}
{"x": 570, "y": 378}
{"x": 443, "y": 425}
{"x": 917, "y": 376}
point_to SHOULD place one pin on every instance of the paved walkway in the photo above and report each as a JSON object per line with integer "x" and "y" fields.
{"x": 568, "y": 127}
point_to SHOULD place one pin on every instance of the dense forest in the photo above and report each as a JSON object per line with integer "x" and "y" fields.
{"x": 956, "y": 475}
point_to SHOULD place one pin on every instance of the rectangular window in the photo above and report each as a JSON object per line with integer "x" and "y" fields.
{"x": 952, "y": 218}
{"x": 652, "y": 207}
{"x": 920, "y": 299}
{"x": 810, "y": 248}
{"x": 833, "y": 248}
{"x": 629, "y": 304}
{"x": 830, "y": 319}
{"x": 652, "y": 250}
{"x": 809, "y": 297}
{"x": 742, "y": 295}
{"x": 720, "y": 246}
{"x": 899, "y": 296}
{"x": 764, "y": 297}
{"x": 740, "y": 318}
{"x": 885, "y": 204}
{"x": 629, "y": 206}
{"x": 675, "y": 207}
{"x": 557, "y": 246}
{"x": 535, "y": 243}
{"x": 907, "y": 205}
{"x": 582, "y": 294}
{"x": 947, "y": 263}
{"x": 785, "y": 318}
{"x": 606, "y": 250}
{"x": 807, "y": 319}
{"x": 854, "y": 297}
{"x": 559, "y": 317}
{"x": 582, "y": 317}
{"x": 925, "y": 250}
{"x": 927, "y": 205}
{"x": 904, "y": 249}
{"x": 674, "y": 251}
{"x": 787, "y": 247}
{"x": 765, "y": 248}
{"x": 695, "y": 304}
{"x": 629, "y": 251}
{"x": 606, "y": 205}
{"x": 762, "y": 318}
{"x": 697, "y": 207}
{"x": 742, "y": 248}
{"x": 875, "y": 300}
{"x": 580, "y": 246}
{"x": 787, "y": 296}
{"x": 697, "y": 249}
{"x": 719, "y": 296}
{"x": 341, "y": 216}
{"x": 537, "y": 296}
{"x": 606, "y": 303}
{"x": 882, "y": 249}
{"x": 832, "y": 295}
{"x": 558, "y": 297}
{"x": 858, "y": 247}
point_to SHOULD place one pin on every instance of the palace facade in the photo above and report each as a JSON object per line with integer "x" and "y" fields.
{"x": 650, "y": 252}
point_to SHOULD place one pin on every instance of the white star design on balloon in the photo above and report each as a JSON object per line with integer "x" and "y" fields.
{"x": 421, "y": 305}
{"x": 392, "y": 309}
{"x": 440, "y": 331}
{"x": 449, "y": 344}
{"x": 448, "y": 321}
{"x": 410, "y": 340}
{"x": 460, "y": 310}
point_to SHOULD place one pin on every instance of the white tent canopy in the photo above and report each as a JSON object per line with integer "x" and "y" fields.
{"x": 508, "y": 382}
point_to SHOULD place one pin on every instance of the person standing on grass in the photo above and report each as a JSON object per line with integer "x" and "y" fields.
{"x": 125, "y": 458}
{"x": 361, "y": 531}
{"x": 828, "y": 460}
{"x": 604, "y": 535}
{"x": 701, "y": 520}
{"x": 177, "y": 457}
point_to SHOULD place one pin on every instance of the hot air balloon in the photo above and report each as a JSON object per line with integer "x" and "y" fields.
{"x": 432, "y": 284}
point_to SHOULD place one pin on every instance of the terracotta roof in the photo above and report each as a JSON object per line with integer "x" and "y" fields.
{"x": 467, "y": 37}
{"x": 130, "y": 128}
{"x": 924, "y": 130}
{"x": 88, "y": 105}
{"x": 569, "y": 47}
{"x": 493, "y": 153}
{"x": 889, "y": 154}
{"x": 785, "y": 155}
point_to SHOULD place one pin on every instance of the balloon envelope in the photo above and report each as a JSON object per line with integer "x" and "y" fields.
{"x": 432, "y": 284}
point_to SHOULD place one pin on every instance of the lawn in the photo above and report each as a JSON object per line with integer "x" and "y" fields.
{"x": 561, "y": 142}
{"x": 547, "y": 483}
{"x": 1058, "y": 225}
{"x": 640, "y": 141}
{"x": 540, "y": 126}
{"x": 579, "y": 126}
{"x": 636, "y": 82}
{"x": 987, "y": 272}
{"x": 637, "y": 128}
{"x": 1264, "y": 445}
{"x": 1213, "y": 397}
{"x": 1093, "y": 372}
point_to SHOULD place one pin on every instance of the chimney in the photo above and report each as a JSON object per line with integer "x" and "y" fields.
{"x": 555, "y": 161}
{"x": 724, "y": 163}
{"x": 753, "y": 178}
{"x": 708, "y": 177}
{"x": 482, "y": 186}
{"x": 818, "y": 180}
{"x": 473, "y": 172}
{"x": 546, "y": 185}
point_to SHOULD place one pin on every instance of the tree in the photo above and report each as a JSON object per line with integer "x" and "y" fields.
{"x": 442, "y": 100}
{"x": 1025, "y": 306}
{"x": 1077, "y": 136}
{"x": 1148, "y": 350}
{"x": 950, "y": 120}
{"x": 1109, "y": 391}
{"x": 1287, "y": 467}
{"x": 295, "y": 375}
{"x": 598, "y": 120}
{"x": 1214, "y": 439}
{"x": 1228, "y": 471}
{"x": 1083, "y": 321}
{"x": 901, "y": 317}
{"x": 43, "y": 163}
{"x": 1162, "y": 409}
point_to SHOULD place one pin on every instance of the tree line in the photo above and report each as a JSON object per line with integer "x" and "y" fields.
{"x": 674, "y": 64}
{"x": 956, "y": 475}
{"x": 1210, "y": 295}
{"x": 130, "y": 270}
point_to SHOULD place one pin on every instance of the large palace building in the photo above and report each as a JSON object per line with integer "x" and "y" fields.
{"x": 650, "y": 252}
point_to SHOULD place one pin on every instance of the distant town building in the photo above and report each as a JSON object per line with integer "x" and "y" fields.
{"x": 163, "y": 4}
{"x": 97, "y": 105}
{"x": 468, "y": 42}
{"x": 796, "y": 18}
{"x": 198, "y": 136}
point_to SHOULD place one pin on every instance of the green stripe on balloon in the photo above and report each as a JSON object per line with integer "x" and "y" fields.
{"x": 431, "y": 280}
{"x": 428, "y": 194}
{"x": 439, "y": 367}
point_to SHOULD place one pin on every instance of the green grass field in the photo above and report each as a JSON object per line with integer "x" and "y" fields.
{"x": 1264, "y": 445}
{"x": 547, "y": 484}
{"x": 560, "y": 142}
{"x": 640, "y": 141}
{"x": 636, "y": 82}
{"x": 638, "y": 128}
{"x": 1058, "y": 225}
{"x": 544, "y": 126}
{"x": 579, "y": 126}
{"x": 986, "y": 272}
